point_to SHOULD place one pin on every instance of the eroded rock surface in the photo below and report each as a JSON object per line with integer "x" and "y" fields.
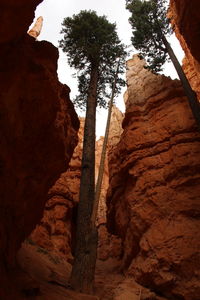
{"x": 153, "y": 198}
{"x": 115, "y": 127}
{"x": 37, "y": 27}
{"x": 56, "y": 229}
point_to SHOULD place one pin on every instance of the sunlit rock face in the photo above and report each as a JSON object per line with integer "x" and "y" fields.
{"x": 109, "y": 246}
{"x": 153, "y": 196}
{"x": 116, "y": 129}
{"x": 38, "y": 128}
{"x": 37, "y": 27}
{"x": 184, "y": 15}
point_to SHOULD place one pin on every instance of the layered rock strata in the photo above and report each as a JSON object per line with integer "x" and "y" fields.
{"x": 153, "y": 197}
{"x": 38, "y": 128}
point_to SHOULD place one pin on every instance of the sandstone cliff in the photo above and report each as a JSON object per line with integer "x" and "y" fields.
{"x": 38, "y": 127}
{"x": 153, "y": 198}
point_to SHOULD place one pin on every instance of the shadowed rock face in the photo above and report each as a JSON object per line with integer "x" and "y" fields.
{"x": 38, "y": 134}
{"x": 153, "y": 198}
{"x": 16, "y": 17}
{"x": 56, "y": 229}
{"x": 38, "y": 127}
{"x": 184, "y": 15}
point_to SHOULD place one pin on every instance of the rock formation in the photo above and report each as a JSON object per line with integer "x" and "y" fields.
{"x": 16, "y": 17}
{"x": 184, "y": 15}
{"x": 55, "y": 231}
{"x": 115, "y": 127}
{"x": 153, "y": 197}
{"x": 37, "y": 27}
{"x": 115, "y": 132}
{"x": 109, "y": 246}
{"x": 38, "y": 127}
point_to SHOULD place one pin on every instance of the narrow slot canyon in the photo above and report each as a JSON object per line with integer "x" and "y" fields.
{"x": 148, "y": 214}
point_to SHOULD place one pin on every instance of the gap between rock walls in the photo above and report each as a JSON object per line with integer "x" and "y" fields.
{"x": 148, "y": 216}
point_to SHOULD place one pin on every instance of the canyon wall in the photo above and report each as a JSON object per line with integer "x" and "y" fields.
{"x": 109, "y": 246}
{"x": 56, "y": 230}
{"x": 57, "y": 227}
{"x": 38, "y": 128}
{"x": 184, "y": 15}
{"x": 153, "y": 197}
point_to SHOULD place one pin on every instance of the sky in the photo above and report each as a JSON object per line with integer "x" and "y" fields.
{"x": 53, "y": 13}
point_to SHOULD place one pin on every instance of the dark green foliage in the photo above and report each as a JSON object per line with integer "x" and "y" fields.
{"x": 149, "y": 22}
{"x": 90, "y": 40}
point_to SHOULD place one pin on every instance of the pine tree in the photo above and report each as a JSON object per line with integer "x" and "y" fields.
{"x": 103, "y": 152}
{"x": 92, "y": 46}
{"x": 150, "y": 28}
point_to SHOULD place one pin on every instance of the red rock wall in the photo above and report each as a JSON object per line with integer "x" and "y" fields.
{"x": 38, "y": 127}
{"x": 56, "y": 230}
{"x": 153, "y": 198}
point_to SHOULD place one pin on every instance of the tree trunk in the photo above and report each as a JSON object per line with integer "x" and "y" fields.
{"x": 191, "y": 95}
{"x": 103, "y": 155}
{"x": 82, "y": 276}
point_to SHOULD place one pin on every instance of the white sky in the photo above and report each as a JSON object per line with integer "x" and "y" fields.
{"x": 53, "y": 13}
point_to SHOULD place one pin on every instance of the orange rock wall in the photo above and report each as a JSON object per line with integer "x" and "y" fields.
{"x": 38, "y": 128}
{"x": 153, "y": 197}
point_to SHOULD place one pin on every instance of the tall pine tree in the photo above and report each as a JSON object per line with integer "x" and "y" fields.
{"x": 150, "y": 27}
{"x": 93, "y": 47}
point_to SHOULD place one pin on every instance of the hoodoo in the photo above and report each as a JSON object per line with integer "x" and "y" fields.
{"x": 153, "y": 197}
